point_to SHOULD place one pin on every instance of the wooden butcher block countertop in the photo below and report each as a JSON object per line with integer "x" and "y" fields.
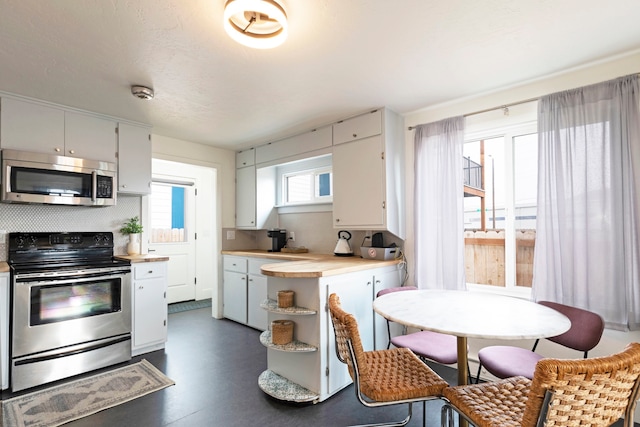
{"x": 4, "y": 267}
{"x": 310, "y": 265}
{"x": 142, "y": 258}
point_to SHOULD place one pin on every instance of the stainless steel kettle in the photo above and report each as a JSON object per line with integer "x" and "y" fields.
{"x": 343, "y": 248}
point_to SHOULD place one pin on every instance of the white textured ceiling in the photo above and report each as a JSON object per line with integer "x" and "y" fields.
{"x": 342, "y": 57}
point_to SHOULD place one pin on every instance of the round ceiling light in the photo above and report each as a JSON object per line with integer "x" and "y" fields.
{"x": 260, "y": 24}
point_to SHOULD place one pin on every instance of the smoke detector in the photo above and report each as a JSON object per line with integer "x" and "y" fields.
{"x": 142, "y": 92}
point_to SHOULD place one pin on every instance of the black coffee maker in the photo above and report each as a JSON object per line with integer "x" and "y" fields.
{"x": 278, "y": 239}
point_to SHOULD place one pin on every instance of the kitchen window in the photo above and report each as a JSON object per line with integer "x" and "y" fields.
{"x": 307, "y": 187}
{"x": 305, "y": 183}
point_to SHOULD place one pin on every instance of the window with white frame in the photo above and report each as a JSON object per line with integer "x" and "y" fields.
{"x": 500, "y": 227}
{"x": 306, "y": 182}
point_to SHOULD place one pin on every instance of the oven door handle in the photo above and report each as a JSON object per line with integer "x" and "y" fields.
{"x": 63, "y": 278}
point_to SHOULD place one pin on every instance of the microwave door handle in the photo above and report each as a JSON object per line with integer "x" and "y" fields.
{"x": 94, "y": 185}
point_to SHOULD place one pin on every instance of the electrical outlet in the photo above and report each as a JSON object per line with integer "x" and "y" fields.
{"x": 292, "y": 236}
{"x": 231, "y": 234}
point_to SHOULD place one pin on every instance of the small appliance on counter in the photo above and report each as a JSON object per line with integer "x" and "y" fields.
{"x": 278, "y": 239}
{"x": 378, "y": 251}
{"x": 343, "y": 248}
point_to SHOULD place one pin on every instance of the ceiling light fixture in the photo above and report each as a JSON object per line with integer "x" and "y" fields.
{"x": 260, "y": 24}
{"x": 142, "y": 92}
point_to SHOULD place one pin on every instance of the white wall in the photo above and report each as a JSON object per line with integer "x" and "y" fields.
{"x": 178, "y": 150}
{"x": 612, "y": 341}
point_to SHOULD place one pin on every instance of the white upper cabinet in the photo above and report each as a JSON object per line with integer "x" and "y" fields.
{"x": 368, "y": 173}
{"x": 30, "y": 126}
{"x": 90, "y": 137}
{"x": 363, "y": 126}
{"x": 359, "y": 184}
{"x": 284, "y": 149}
{"x": 255, "y": 198}
{"x": 246, "y": 197}
{"x": 134, "y": 159}
{"x": 245, "y": 158}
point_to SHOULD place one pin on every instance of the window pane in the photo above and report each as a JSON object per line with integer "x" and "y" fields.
{"x": 167, "y": 213}
{"x": 324, "y": 184}
{"x": 525, "y": 182}
{"x": 299, "y": 188}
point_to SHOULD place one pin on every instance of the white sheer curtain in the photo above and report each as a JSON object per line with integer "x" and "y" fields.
{"x": 586, "y": 251}
{"x": 439, "y": 217}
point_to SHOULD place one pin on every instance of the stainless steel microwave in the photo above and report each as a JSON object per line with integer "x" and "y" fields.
{"x": 58, "y": 180}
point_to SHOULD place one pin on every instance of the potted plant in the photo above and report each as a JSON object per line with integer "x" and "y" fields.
{"x": 133, "y": 228}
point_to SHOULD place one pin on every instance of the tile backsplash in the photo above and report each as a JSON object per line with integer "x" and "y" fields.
{"x": 55, "y": 218}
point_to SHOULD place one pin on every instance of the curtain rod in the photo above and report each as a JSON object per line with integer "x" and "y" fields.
{"x": 505, "y": 106}
{"x": 486, "y": 110}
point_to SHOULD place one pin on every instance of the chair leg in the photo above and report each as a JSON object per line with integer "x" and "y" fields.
{"x": 478, "y": 376}
{"x": 446, "y": 416}
{"x": 393, "y": 423}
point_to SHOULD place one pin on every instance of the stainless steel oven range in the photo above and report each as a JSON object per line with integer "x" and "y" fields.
{"x": 71, "y": 306}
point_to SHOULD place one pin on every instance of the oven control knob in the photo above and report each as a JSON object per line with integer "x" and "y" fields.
{"x": 20, "y": 241}
{"x": 33, "y": 240}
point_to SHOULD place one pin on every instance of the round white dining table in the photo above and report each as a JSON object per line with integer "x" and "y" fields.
{"x": 469, "y": 314}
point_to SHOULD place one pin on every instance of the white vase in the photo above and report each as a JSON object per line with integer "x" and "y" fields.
{"x": 133, "y": 247}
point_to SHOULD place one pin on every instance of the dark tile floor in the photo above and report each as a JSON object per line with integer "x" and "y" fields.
{"x": 215, "y": 364}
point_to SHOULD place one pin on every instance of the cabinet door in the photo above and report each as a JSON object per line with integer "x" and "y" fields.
{"x": 355, "y": 292}
{"x": 246, "y": 197}
{"x": 314, "y": 140}
{"x": 30, "y": 126}
{"x": 89, "y": 137}
{"x": 257, "y": 292}
{"x": 150, "y": 311}
{"x": 134, "y": 159}
{"x": 235, "y": 296}
{"x": 4, "y": 330}
{"x": 359, "y": 127}
{"x": 245, "y": 158}
{"x": 358, "y": 195}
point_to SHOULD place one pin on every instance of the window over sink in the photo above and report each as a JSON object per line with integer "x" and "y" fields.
{"x": 305, "y": 183}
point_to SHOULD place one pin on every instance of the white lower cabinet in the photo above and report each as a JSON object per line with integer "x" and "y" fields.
{"x": 149, "y": 326}
{"x": 4, "y": 330}
{"x": 308, "y": 370}
{"x": 245, "y": 288}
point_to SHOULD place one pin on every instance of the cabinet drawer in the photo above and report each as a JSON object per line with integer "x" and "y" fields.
{"x": 256, "y": 263}
{"x": 245, "y": 158}
{"x": 149, "y": 270}
{"x": 359, "y": 127}
{"x": 234, "y": 263}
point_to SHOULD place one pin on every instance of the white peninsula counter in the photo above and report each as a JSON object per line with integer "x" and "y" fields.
{"x": 307, "y": 370}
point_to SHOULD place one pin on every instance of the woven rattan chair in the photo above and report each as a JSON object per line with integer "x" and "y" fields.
{"x": 427, "y": 345}
{"x": 563, "y": 393}
{"x": 382, "y": 377}
{"x": 504, "y": 361}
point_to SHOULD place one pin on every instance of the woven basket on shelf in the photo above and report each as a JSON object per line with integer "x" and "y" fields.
{"x": 281, "y": 332}
{"x": 285, "y": 299}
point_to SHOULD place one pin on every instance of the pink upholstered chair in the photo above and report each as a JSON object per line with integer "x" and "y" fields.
{"x": 427, "y": 345}
{"x": 508, "y": 361}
